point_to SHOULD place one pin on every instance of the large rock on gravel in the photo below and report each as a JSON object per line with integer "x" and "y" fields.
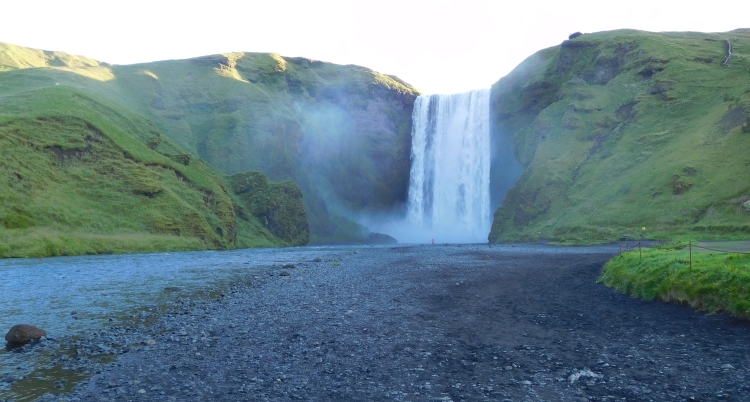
{"x": 22, "y": 334}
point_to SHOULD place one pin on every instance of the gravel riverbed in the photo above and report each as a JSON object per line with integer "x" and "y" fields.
{"x": 420, "y": 323}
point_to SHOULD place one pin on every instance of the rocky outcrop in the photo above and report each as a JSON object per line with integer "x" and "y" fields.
{"x": 278, "y": 206}
{"x": 22, "y": 334}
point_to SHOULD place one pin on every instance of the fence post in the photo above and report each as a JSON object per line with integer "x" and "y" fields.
{"x": 690, "y": 244}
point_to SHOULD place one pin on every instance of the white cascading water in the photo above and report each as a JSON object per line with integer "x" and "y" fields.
{"x": 449, "y": 185}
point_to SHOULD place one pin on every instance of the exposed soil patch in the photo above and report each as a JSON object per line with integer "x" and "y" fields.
{"x": 428, "y": 323}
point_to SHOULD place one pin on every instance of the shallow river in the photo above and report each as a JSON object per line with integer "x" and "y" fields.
{"x": 66, "y": 295}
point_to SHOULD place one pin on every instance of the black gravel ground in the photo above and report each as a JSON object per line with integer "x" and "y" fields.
{"x": 431, "y": 323}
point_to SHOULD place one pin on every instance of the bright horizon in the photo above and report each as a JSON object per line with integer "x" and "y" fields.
{"x": 441, "y": 46}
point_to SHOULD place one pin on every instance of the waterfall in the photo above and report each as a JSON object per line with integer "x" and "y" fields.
{"x": 449, "y": 185}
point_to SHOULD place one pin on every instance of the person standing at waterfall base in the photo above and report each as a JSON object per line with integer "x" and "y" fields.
{"x": 433, "y": 241}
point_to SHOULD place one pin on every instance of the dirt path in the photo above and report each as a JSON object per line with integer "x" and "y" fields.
{"x": 435, "y": 323}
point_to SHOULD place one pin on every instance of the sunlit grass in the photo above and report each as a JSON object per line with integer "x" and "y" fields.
{"x": 47, "y": 242}
{"x": 84, "y": 175}
{"x": 716, "y": 282}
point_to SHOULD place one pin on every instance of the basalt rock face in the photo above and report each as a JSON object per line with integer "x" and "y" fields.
{"x": 343, "y": 133}
{"x": 617, "y": 131}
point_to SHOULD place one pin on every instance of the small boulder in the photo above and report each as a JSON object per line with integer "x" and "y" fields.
{"x": 317, "y": 259}
{"x": 22, "y": 334}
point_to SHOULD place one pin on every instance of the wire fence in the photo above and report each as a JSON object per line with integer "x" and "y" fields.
{"x": 721, "y": 251}
{"x": 690, "y": 246}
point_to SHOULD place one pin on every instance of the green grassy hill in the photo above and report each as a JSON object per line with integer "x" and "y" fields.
{"x": 82, "y": 172}
{"x": 626, "y": 129}
{"x": 342, "y": 133}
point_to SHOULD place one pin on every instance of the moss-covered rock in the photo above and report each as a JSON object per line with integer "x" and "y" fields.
{"x": 278, "y": 206}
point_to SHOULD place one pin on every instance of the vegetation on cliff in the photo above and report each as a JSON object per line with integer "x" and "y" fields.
{"x": 627, "y": 129}
{"x": 82, "y": 173}
{"x": 341, "y": 132}
{"x": 278, "y": 206}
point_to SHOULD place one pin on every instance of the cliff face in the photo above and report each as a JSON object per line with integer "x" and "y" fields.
{"x": 617, "y": 131}
{"x": 342, "y": 133}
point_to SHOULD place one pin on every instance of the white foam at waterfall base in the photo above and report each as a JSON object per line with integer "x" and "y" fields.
{"x": 449, "y": 198}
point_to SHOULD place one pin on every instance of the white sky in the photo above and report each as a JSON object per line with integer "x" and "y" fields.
{"x": 439, "y": 46}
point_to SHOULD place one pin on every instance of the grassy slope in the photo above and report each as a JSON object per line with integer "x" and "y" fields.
{"x": 342, "y": 132}
{"x": 624, "y": 129}
{"x": 68, "y": 146}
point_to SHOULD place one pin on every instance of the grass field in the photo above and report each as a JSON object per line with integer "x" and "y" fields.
{"x": 716, "y": 281}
